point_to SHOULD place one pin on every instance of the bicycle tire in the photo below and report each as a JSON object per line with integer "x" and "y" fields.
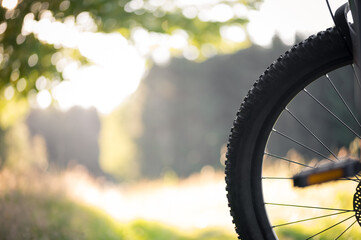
{"x": 276, "y": 87}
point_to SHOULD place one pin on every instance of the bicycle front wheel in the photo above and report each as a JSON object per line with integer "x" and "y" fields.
{"x": 301, "y": 112}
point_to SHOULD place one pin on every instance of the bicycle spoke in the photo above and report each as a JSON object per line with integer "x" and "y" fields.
{"x": 282, "y": 145}
{"x": 357, "y": 78}
{"x": 346, "y": 230}
{"x": 308, "y": 130}
{"x": 309, "y": 219}
{"x": 343, "y": 100}
{"x": 277, "y": 178}
{"x": 301, "y": 144}
{"x": 287, "y": 160}
{"x": 329, "y": 227}
{"x": 289, "y": 178}
{"x": 304, "y": 206}
{"x": 330, "y": 112}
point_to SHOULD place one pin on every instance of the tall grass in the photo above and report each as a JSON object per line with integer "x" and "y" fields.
{"x": 36, "y": 205}
{"x": 73, "y": 205}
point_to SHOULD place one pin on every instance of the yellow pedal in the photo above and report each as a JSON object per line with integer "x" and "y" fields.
{"x": 327, "y": 172}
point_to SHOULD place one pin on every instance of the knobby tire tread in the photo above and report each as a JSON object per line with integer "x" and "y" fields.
{"x": 270, "y": 80}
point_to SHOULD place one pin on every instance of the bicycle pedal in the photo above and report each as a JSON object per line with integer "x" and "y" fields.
{"x": 327, "y": 172}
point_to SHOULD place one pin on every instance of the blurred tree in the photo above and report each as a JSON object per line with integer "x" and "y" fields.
{"x": 24, "y": 58}
{"x": 119, "y": 151}
{"x": 188, "y": 109}
{"x": 71, "y": 137}
{"x": 29, "y": 63}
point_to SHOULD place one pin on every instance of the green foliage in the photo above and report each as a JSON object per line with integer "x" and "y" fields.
{"x": 12, "y": 111}
{"x": 300, "y": 233}
{"x": 46, "y": 216}
{"x": 29, "y": 214}
{"x": 50, "y": 217}
{"x": 23, "y": 152}
{"x": 23, "y": 55}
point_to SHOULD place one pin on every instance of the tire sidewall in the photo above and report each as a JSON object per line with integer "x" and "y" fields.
{"x": 259, "y": 111}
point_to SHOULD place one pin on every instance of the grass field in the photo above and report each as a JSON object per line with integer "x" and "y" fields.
{"x": 73, "y": 205}
{"x": 33, "y": 217}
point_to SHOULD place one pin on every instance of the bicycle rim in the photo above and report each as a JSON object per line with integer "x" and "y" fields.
{"x": 289, "y": 123}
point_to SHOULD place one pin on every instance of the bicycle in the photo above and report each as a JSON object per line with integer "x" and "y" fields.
{"x": 293, "y": 85}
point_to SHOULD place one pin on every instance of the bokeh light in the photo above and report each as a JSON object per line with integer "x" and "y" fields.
{"x": 117, "y": 65}
{"x": 9, "y": 4}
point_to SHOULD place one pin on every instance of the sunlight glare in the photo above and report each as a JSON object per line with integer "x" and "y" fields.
{"x": 161, "y": 55}
{"x": 41, "y": 83}
{"x": 240, "y": 10}
{"x": 259, "y": 33}
{"x": 98, "y": 86}
{"x": 9, "y": 4}
{"x": 21, "y": 85}
{"x": 194, "y": 203}
{"x": 114, "y": 73}
{"x": 118, "y": 65}
{"x": 179, "y": 39}
{"x": 191, "y": 53}
{"x": 3, "y": 27}
{"x": 158, "y": 46}
{"x": 218, "y": 13}
{"x": 9, "y": 92}
{"x": 288, "y": 17}
{"x": 233, "y": 33}
{"x": 190, "y": 12}
{"x": 43, "y": 99}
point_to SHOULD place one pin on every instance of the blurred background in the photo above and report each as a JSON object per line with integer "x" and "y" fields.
{"x": 114, "y": 115}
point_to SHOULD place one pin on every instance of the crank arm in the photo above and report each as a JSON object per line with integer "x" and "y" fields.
{"x": 327, "y": 172}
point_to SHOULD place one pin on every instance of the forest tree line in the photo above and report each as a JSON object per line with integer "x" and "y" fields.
{"x": 178, "y": 120}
